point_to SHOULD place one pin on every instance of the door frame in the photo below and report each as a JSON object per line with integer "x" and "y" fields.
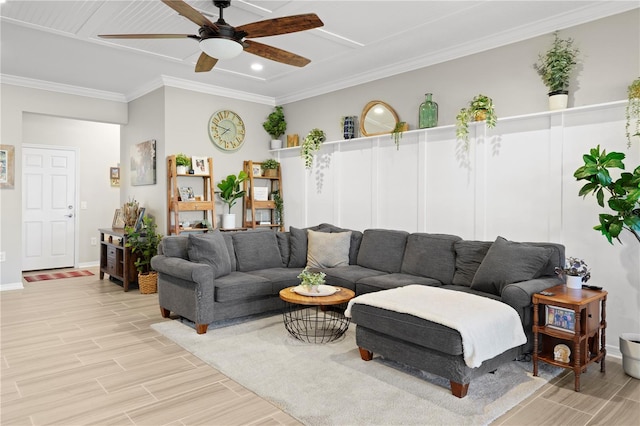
{"x": 76, "y": 190}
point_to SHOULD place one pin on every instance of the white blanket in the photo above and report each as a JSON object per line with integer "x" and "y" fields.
{"x": 488, "y": 327}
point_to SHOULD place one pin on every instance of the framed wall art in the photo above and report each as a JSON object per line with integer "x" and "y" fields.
{"x": 143, "y": 163}
{"x": 114, "y": 176}
{"x": 7, "y": 166}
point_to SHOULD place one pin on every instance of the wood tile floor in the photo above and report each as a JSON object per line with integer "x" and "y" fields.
{"x": 79, "y": 351}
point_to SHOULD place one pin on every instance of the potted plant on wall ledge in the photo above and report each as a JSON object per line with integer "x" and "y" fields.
{"x": 632, "y": 111}
{"x": 555, "y": 68}
{"x": 275, "y": 126}
{"x": 144, "y": 244}
{"x": 396, "y": 133}
{"x": 229, "y": 193}
{"x": 480, "y": 108}
{"x": 270, "y": 167}
{"x": 311, "y": 144}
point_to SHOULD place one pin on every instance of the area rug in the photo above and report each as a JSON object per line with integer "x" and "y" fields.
{"x": 57, "y": 275}
{"x": 329, "y": 384}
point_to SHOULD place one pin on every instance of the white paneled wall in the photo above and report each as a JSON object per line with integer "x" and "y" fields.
{"x": 516, "y": 181}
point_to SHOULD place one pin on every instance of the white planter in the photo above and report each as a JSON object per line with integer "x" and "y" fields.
{"x": 574, "y": 282}
{"x": 276, "y": 144}
{"x": 182, "y": 170}
{"x": 228, "y": 221}
{"x": 630, "y": 348}
{"x": 558, "y": 101}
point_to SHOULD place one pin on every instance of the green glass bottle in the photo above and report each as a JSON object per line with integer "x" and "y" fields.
{"x": 428, "y": 114}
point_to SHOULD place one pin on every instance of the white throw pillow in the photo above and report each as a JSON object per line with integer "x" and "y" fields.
{"x": 328, "y": 250}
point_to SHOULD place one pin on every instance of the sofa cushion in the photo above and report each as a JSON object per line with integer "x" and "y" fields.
{"x": 241, "y": 286}
{"x": 387, "y": 281}
{"x": 356, "y": 239}
{"x": 469, "y": 255}
{"x": 298, "y": 246}
{"x": 228, "y": 239}
{"x": 430, "y": 255}
{"x": 328, "y": 250}
{"x": 509, "y": 262}
{"x": 175, "y": 246}
{"x": 256, "y": 250}
{"x": 382, "y": 249}
{"x": 283, "y": 246}
{"x": 279, "y": 278}
{"x": 347, "y": 276}
{"x": 210, "y": 248}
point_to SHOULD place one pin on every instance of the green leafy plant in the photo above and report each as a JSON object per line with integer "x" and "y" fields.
{"x": 279, "y": 203}
{"x": 632, "y": 111}
{"x": 574, "y": 267}
{"x": 557, "y": 64}
{"x": 275, "y": 124}
{"x": 396, "y": 133}
{"x": 269, "y": 164}
{"x": 311, "y": 278}
{"x": 480, "y": 108}
{"x": 144, "y": 243}
{"x": 310, "y": 145}
{"x": 230, "y": 190}
{"x": 183, "y": 160}
{"x": 623, "y": 192}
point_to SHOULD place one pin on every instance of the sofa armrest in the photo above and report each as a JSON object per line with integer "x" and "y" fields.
{"x": 184, "y": 269}
{"x": 519, "y": 295}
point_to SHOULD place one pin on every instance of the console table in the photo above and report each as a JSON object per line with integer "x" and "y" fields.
{"x": 579, "y": 331}
{"x": 115, "y": 258}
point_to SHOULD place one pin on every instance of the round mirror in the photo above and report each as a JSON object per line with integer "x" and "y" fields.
{"x": 377, "y": 118}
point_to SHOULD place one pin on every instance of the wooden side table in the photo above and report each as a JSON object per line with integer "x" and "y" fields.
{"x": 579, "y": 333}
{"x": 115, "y": 258}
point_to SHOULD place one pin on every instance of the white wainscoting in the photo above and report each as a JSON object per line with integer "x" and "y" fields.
{"x": 515, "y": 181}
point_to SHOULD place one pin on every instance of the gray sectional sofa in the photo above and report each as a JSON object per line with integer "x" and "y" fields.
{"x": 216, "y": 276}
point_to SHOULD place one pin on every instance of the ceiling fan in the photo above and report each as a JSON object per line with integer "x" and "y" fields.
{"x": 220, "y": 40}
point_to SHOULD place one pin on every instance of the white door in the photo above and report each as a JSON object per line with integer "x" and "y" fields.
{"x": 48, "y": 208}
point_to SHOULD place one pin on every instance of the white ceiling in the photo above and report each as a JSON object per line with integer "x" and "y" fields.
{"x": 54, "y": 44}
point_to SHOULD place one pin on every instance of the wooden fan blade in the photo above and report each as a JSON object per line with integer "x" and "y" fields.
{"x": 205, "y": 63}
{"x": 190, "y": 13}
{"x": 274, "y": 53}
{"x": 285, "y": 25}
{"x": 149, "y": 36}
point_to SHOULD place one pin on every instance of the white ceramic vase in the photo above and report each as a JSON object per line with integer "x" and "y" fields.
{"x": 182, "y": 170}
{"x": 574, "y": 282}
{"x": 558, "y": 100}
{"x": 276, "y": 144}
{"x": 630, "y": 348}
{"x": 228, "y": 221}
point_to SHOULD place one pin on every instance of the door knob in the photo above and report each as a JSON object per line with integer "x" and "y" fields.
{"x": 69, "y": 215}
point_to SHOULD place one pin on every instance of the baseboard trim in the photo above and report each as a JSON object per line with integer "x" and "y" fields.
{"x": 11, "y": 286}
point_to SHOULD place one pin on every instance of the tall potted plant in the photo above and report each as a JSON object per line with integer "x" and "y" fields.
{"x": 555, "y": 68}
{"x": 229, "y": 193}
{"x": 144, "y": 245}
{"x": 480, "y": 108}
{"x": 275, "y": 126}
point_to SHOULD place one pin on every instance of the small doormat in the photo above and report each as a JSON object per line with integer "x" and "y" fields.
{"x": 57, "y": 275}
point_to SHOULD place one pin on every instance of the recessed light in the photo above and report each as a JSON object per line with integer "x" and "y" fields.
{"x": 256, "y": 66}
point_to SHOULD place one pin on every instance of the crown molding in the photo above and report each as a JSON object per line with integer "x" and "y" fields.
{"x": 61, "y": 88}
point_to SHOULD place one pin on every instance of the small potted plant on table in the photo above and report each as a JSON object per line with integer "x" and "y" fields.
{"x": 275, "y": 126}
{"x": 229, "y": 193}
{"x": 311, "y": 281}
{"x": 575, "y": 271}
{"x": 144, "y": 245}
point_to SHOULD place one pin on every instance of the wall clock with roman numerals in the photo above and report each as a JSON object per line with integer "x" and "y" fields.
{"x": 226, "y": 130}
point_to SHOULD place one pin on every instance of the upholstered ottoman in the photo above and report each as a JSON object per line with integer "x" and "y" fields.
{"x": 416, "y": 325}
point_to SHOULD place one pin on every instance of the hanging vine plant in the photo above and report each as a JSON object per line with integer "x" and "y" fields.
{"x": 632, "y": 112}
{"x": 310, "y": 145}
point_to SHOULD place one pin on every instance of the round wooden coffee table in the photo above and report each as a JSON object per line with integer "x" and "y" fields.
{"x": 316, "y": 319}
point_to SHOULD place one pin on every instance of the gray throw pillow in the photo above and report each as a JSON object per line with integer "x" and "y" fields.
{"x": 509, "y": 262}
{"x": 175, "y": 246}
{"x": 211, "y": 249}
{"x": 298, "y": 245}
{"x": 328, "y": 250}
{"x": 256, "y": 250}
{"x": 430, "y": 255}
{"x": 469, "y": 256}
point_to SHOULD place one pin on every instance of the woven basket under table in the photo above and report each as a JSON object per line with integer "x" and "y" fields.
{"x": 148, "y": 283}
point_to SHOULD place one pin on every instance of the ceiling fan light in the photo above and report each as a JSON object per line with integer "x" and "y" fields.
{"x": 221, "y": 48}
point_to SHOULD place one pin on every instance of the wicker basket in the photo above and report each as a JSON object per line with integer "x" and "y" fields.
{"x": 148, "y": 283}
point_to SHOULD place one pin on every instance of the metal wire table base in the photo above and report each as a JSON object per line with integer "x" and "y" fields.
{"x": 316, "y": 324}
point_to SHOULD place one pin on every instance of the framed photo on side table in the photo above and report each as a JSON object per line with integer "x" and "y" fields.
{"x": 200, "y": 165}
{"x": 140, "y": 219}
{"x": 118, "y": 220}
